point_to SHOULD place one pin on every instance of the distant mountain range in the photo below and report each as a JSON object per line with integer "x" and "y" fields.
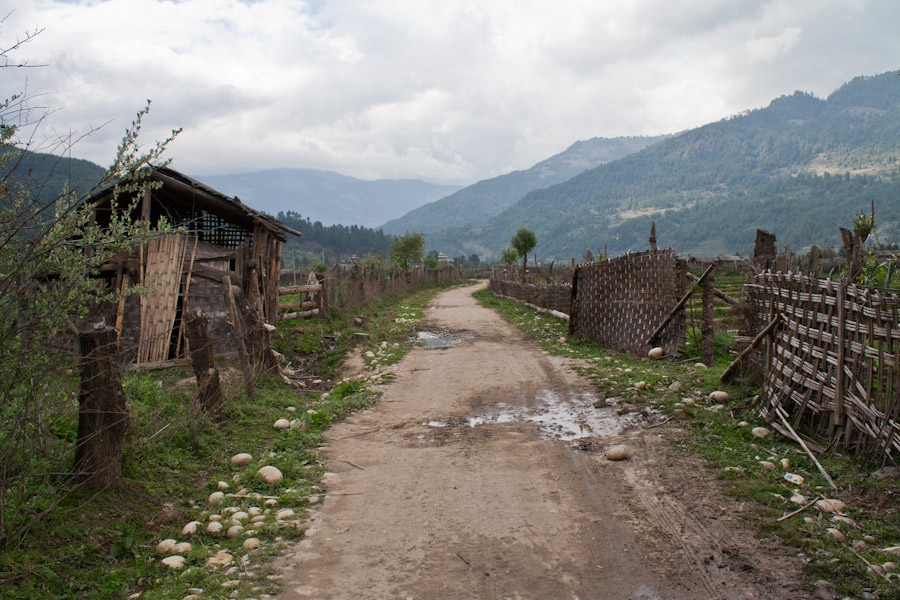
{"x": 801, "y": 168}
{"x": 477, "y": 203}
{"x": 327, "y": 196}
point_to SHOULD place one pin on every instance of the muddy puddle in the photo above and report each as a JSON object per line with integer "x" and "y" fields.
{"x": 567, "y": 416}
{"x": 441, "y": 339}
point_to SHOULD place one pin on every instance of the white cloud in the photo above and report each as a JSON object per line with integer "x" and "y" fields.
{"x": 453, "y": 90}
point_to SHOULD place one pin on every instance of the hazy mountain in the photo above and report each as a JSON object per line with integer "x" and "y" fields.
{"x": 801, "y": 167}
{"x": 327, "y": 196}
{"x": 475, "y": 204}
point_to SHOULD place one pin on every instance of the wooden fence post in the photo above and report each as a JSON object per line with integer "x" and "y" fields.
{"x": 840, "y": 379}
{"x": 102, "y": 412}
{"x": 707, "y": 328}
{"x": 209, "y": 389}
{"x": 239, "y": 337}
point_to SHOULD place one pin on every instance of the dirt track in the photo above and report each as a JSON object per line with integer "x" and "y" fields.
{"x": 498, "y": 510}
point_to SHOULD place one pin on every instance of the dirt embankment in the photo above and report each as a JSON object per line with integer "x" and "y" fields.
{"x": 457, "y": 485}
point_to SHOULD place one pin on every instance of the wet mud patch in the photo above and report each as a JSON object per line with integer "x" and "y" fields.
{"x": 441, "y": 338}
{"x": 571, "y": 415}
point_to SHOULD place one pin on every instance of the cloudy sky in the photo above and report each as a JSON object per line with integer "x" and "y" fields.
{"x": 449, "y": 90}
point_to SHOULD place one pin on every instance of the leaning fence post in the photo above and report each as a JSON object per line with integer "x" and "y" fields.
{"x": 102, "y": 411}
{"x": 706, "y": 320}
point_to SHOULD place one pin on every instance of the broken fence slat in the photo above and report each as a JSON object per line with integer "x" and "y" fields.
{"x": 719, "y": 293}
{"x": 727, "y": 373}
{"x": 675, "y": 309}
{"x": 284, "y": 290}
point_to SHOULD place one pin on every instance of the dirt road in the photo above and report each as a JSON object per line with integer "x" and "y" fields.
{"x": 456, "y": 485}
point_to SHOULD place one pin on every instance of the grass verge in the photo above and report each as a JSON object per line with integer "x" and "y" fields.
{"x": 749, "y": 468}
{"x": 104, "y": 545}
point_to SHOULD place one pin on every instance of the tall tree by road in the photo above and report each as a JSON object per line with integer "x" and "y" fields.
{"x": 524, "y": 242}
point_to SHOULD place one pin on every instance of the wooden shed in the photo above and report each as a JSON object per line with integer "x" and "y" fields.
{"x": 220, "y": 238}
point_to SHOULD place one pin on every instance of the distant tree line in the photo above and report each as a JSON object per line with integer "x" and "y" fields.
{"x": 339, "y": 242}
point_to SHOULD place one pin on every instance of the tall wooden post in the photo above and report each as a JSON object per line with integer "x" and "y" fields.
{"x": 209, "y": 388}
{"x": 102, "y": 411}
{"x": 764, "y": 250}
{"x": 239, "y": 337}
{"x": 707, "y": 322}
{"x": 815, "y": 263}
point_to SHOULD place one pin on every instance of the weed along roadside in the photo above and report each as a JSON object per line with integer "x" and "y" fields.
{"x": 848, "y": 538}
{"x": 206, "y": 505}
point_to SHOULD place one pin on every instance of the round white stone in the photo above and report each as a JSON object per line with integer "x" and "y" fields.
{"x": 617, "y": 453}
{"x": 270, "y": 474}
{"x": 221, "y": 558}
{"x": 216, "y": 498}
{"x": 234, "y": 531}
{"x": 830, "y": 505}
{"x": 242, "y": 460}
{"x": 190, "y": 528}
{"x": 760, "y": 432}
{"x": 282, "y": 424}
{"x": 182, "y": 548}
{"x": 251, "y": 543}
{"x": 173, "y": 562}
{"x": 284, "y": 513}
{"x": 215, "y": 527}
{"x": 166, "y": 546}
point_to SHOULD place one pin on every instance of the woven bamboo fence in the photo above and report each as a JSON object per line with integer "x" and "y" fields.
{"x": 309, "y": 299}
{"x": 162, "y": 263}
{"x": 344, "y": 287}
{"x": 552, "y": 296}
{"x": 618, "y": 303}
{"x": 832, "y": 363}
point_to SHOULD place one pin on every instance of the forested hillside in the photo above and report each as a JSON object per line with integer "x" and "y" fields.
{"x": 800, "y": 167}
{"x": 332, "y": 243}
{"x": 475, "y": 204}
{"x": 45, "y": 176}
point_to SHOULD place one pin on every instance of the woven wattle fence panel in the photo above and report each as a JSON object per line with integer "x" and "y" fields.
{"x": 553, "y": 296}
{"x": 833, "y": 363}
{"x": 619, "y": 302}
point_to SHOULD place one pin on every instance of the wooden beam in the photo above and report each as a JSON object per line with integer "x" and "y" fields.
{"x": 299, "y": 289}
{"x": 753, "y": 344}
{"x": 719, "y": 293}
{"x": 674, "y": 311}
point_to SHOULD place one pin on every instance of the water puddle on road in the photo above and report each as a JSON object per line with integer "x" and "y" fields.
{"x": 441, "y": 339}
{"x": 567, "y": 417}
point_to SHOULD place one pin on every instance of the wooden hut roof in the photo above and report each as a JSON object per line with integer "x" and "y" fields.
{"x": 179, "y": 188}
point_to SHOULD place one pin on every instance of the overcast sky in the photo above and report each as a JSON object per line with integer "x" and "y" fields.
{"x": 447, "y": 91}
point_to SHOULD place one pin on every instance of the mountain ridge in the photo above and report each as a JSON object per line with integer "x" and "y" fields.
{"x": 327, "y": 196}
{"x": 800, "y": 167}
{"x": 477, "y": 203}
